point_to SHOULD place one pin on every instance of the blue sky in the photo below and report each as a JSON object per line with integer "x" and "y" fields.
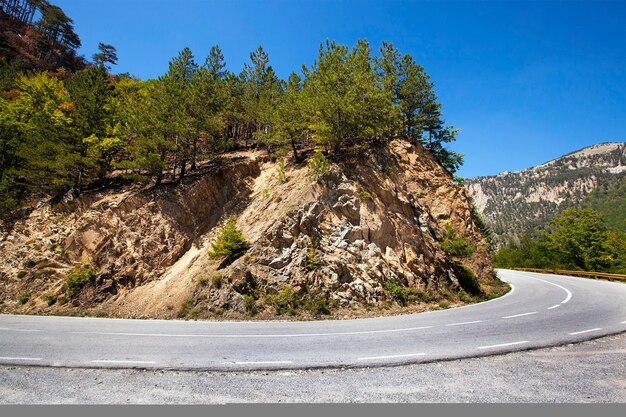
{"x": 524, "y": 81}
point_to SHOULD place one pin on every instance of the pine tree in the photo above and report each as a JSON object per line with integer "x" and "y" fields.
{"x": 107, "y": 54}
{"x": 91, "y": 92}
{"x": 46, "y": 154}
{"x": 261, "y": 91}
{"x": 344, "y": 101}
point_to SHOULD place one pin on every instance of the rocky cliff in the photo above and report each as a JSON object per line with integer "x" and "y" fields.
{"x": 523, "y": 202}
{"x": 367, "y": 237}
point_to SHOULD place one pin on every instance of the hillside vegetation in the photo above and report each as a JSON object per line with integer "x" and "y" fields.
{"x": 578, "y": 240}
{"x": 63, "y": 133}
{"x": 516, "y": 204}
{"x": 610, "y": 202}
{"x": 36, "y": 35}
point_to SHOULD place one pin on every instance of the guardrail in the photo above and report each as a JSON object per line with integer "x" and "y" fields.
{"x": 575, "y": 273}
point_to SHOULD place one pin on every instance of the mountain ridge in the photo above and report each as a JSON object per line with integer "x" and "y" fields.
{"x": 523, "y": 202}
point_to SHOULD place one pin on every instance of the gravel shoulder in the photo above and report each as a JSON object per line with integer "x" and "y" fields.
{"x": 592, "y": 371}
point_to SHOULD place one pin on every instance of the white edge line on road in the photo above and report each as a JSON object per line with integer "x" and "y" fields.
{"x": 9, "y": 358}
{"x": 260, "y": 362}
{"x": 585, "y": 331}
{"x": 465, "y": 322}
{"x": 408, "y": 355}
{"x": 116, "y": 361}
{"x": 624, "y": 322}
{"x": 520, "y": 315}
{"x": 569, "y": 293}
{"x": 256, "y": 335}
{"x": 503, "y": 344}
{"x": 554, "y": 306}
{"x": 19, "y": 330}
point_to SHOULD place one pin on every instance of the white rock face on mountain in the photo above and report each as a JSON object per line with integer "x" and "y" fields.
{"x": 514, "y": 203}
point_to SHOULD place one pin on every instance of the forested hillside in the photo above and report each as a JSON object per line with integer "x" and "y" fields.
{"x": 63, "y": 131}
{"x": 36, "y": 35}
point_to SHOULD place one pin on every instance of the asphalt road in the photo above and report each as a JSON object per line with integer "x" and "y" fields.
{"x": 540, "y": 311}
{"x": 592, "y": 371}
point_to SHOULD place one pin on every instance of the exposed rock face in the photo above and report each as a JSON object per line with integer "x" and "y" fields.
{"x": 516, "y": 203}
{"x": 377, "y": 218}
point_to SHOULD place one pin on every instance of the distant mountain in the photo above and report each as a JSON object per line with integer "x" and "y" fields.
{"x": 523, "y": 202}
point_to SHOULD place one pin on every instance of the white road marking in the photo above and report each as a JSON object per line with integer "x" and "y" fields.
{"x": 257, "y": 335}
{"x": 9, "y": 358}
{"x": 19, "y": 330}
{"x": 624, "y": 322}
{"x": 116, "y": 361}
{"x": 408, "y": 355}
{"x": 569, "y": 293}
{"x": 503, "y": 344}
{"x": 520, "y": 315}
{"x": 465, "y": 322}
{"x": 585, "y": 331}
{"x": 262, "y": 362}
{"x": 554, "y": 306}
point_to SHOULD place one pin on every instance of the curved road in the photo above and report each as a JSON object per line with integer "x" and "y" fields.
{"x": 540, "y": 311}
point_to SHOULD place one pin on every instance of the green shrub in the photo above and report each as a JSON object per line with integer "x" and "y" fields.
{"x": 195, "y": 312}
{"x": 185, "y": 308}
{"x": 250, "y": 304}
{"x": 58, "y": 249}
{"x": 318, "y": 166}
{"x": 396, "y": 291}
{"x": 482, "y": 227}
{"x": 418, "y": 295}
{"x": 49, "y": 299}
{"x": 136, "y": 177}
{"x": 47, "y": 272}
{"x": 282, "y": 177}
{"x": 312, "y": 260}
{"x": 62, "y": 300}
{"x": 21, "y": 274}
{"x": 77, "y": 278}
{"x": 216, "y": 280}
{"x": 317, "y": 305}
{"x": 467, "y": 280}
{"x": 444, "y": 304}
{"x": 465, "y": 297}
{"x": 455, "y": 245}
{"x": 23, "y": 298}
{"x": 391, "y": 170}
{"x": 286, "y": 301}
{"x": 230, "y": 244}
{"x": 363, "y": 194}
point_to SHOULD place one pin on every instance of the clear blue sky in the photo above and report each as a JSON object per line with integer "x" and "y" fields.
{"x": 524, "y": 81}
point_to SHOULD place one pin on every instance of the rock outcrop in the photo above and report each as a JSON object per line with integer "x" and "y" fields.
{"x": 377, "y": 218}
